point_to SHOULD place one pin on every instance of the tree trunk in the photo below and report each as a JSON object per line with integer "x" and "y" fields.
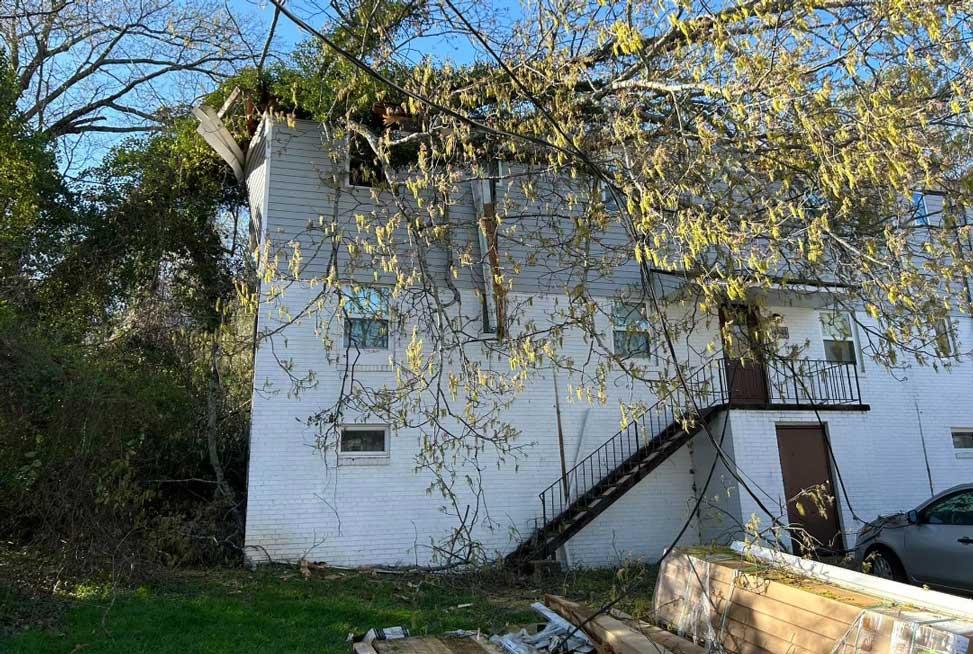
{"x": 223, "y": 489}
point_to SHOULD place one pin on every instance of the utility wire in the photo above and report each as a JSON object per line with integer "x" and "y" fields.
{"x": 384, "y": 79}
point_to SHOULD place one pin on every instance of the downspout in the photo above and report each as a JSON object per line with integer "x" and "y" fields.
{"x": 485, "y": 203}
{"x": 564, "y": 554}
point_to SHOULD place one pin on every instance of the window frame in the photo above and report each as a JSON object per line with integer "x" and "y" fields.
{"x": 370, "y": 456}
{"x": 651, "y": 355}
{"x": 961, "y": 452}
{"x": 921, "y": 216}
{"x": 608, "y": 199}
{"x": 947, "y": 325}
{"x": 852, "y": 337}
{"x": 350, "y": 290}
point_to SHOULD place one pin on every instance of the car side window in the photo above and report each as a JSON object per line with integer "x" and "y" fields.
{"x": 953, "y": 510}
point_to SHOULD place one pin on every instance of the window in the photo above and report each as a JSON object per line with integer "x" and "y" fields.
{"x": 954, "y": 510}
{"x": 364, "y": 168}
{"x": 366, "y": 318}
{"x": 944, "y": 337}
{"x": 839, "y": 339}
{"x": 362, "y": 440}
{"x": 632, "y": 336}
{"x": 963, "y": 443}
{"x": 927, "y": 208}
{"x": 610, "y": 197}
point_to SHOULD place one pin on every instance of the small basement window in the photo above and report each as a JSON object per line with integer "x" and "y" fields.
{"x": 364, "y": 441}
{"x": 631, "y": 333}
{"x": 963, "y": 443}
{"x": 366, "y": 317}
{"x": 838, "y": 337}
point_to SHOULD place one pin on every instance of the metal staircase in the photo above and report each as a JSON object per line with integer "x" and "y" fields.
{"x": 600, "y": 479}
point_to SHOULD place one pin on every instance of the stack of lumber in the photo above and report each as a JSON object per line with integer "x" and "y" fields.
{"x": 721, "y": 600}
{"x": 621, "y": 635}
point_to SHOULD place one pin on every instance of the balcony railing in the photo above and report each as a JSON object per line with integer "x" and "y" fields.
{"x": 721, "y": 383}
{"x": 813, "y": 382}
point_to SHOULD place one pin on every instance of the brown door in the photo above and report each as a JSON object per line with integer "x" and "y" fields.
{"x": 745, "y": 374}
{"x": 806, "y": 468}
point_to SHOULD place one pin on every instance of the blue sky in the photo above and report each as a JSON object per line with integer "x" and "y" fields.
{"x": 255, "y": 16}
{"x": 288, "y": 35}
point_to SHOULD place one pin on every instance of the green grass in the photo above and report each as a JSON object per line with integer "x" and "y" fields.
{"x": 276, "y": 609}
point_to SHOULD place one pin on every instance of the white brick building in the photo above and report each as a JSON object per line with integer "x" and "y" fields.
{"x": 373, "y": 507}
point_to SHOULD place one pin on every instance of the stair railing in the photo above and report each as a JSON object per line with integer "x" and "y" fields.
{"x": 706, "y": 385}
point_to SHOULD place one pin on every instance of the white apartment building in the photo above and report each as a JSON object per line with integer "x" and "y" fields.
{"x": 882, "y": 440}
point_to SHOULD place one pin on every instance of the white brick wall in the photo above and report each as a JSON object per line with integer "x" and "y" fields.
{"x": 301, "y": 503}
{"x": 299, "y": 497}
{"x": 879, "y": 453}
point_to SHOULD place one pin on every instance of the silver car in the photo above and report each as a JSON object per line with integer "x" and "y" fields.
{"x": 931, "y": 544}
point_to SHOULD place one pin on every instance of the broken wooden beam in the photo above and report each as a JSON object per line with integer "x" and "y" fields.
{"x": 613, "y": 635}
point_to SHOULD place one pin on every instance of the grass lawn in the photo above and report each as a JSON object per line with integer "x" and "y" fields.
{"x": 276, "y": 609}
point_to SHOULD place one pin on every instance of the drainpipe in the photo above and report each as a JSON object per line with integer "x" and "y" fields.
{"x": 564, "y": 554}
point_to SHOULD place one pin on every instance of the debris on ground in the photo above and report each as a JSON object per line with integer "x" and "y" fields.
{"x": 558, "y": 635}
{"x": 375, "y": 633}
{"x": 710, "y": 600}
{"x": 615, "y": 632}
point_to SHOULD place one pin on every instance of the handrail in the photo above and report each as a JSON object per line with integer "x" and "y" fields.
{"x": 706, "y": 383}
{"x": 804, "y": 382}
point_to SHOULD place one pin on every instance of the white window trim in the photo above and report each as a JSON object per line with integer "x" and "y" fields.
{"x": 347, "y": 290}
{"x": 855, "y": 342}
{"x": 951, "y": 337}
{"x": 923, "y": 218}
{"x": 607, "y": 199}
{"x": 919, "y": 210}
{"x": 960, "y": 452}
{"x": 365, "y": 458}
{"x": 651, "y": 358}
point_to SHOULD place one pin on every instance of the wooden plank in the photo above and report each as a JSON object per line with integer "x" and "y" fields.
{"x": 670, "y": 641}
{"x": 770, "y": 612}
{"x": 229, "y": 102}
{"x": 604, "y": 629}
{"x": 735, "y": 633}
{"x": 428, "y": 645}
{"x": 761, "y": 611}
{"x": 798, "y": 607}
{"x": 663, "y": 638}
{"x": 815, "y": 634}
{"x": 750, "y": 614}
{"x": 891, "y": 590}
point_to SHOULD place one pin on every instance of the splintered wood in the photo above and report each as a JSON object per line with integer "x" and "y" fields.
{"x": 721, "y": 600}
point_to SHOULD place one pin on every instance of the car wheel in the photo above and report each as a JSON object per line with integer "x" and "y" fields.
{"x": 882, "y": 563}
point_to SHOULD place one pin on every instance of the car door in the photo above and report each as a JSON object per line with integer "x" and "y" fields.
{"x": 939, "y": 548}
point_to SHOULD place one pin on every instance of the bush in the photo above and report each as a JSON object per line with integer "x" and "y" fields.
{"x": 103, "y": 450}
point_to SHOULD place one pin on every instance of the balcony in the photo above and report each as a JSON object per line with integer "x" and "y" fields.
{"x": 778, "y": 384}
